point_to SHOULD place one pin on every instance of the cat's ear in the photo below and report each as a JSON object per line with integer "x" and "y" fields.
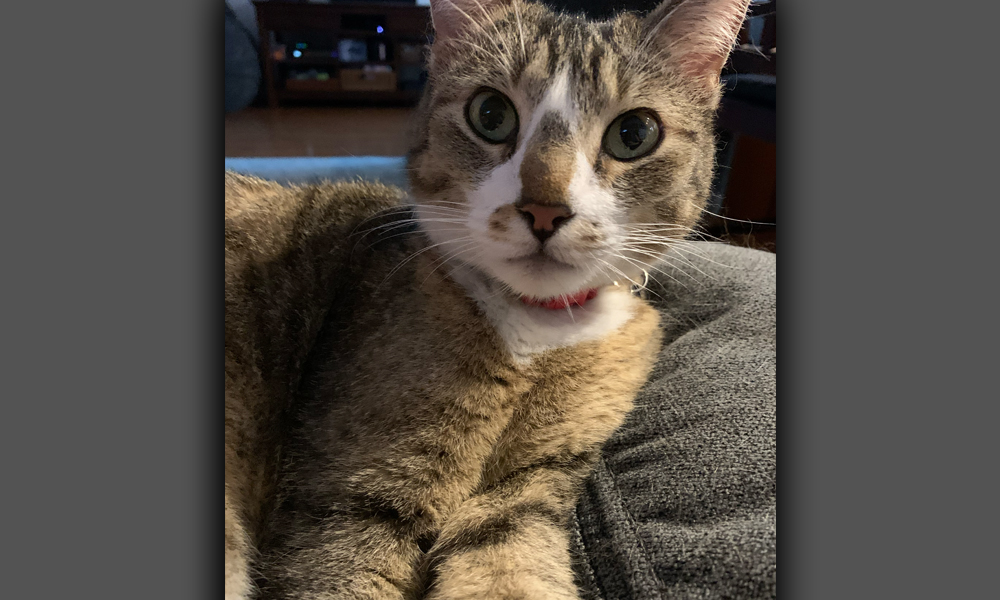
{"x": 697, "y": 35}
{"x": 453, "y": 17}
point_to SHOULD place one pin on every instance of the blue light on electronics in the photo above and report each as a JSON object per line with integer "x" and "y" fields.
{"x": 296, "y": 53}
{"x": 379, "y": 29}
{"x": 301, "y": 45}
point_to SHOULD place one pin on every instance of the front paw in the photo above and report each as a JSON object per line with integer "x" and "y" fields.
{"x": 469, "y": 577}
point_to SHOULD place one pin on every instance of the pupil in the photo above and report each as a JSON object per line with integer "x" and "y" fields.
{"x": 492, "y": 112}
{"x": 633, "y": 131}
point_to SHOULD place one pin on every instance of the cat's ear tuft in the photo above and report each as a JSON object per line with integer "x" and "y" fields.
{"x": 451, "y": 18}
{"x": 697, "y": 35}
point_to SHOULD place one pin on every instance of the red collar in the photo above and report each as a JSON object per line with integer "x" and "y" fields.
{"x": 561, "y": 302}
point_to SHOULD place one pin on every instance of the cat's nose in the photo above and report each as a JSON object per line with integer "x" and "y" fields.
{"x": 545, "y": 219}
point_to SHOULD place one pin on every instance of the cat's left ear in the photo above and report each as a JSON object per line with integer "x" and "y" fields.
{"x": 697, "y": 36}
{"x": 451, "y": 18}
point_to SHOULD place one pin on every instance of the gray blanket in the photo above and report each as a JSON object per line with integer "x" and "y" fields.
{"x": 682, "y": 504}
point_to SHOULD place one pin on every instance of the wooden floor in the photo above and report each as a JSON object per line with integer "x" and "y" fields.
{"x": 315, "y": 131}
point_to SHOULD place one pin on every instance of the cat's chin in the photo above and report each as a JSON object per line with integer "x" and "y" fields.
{"x": 540, "y": 276}
{"x": 541, "y": 264}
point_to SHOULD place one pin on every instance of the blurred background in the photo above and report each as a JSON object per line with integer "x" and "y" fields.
{"x": 340, "y": 78}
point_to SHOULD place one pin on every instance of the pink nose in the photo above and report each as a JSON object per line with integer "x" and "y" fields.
{"x": 545, "y": 219}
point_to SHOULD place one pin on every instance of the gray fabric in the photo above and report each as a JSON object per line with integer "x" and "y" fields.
{"x": 682, "y": 504}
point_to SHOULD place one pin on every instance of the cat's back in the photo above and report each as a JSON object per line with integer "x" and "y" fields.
{"x": 265, "y": 219}
{"x": 285, "y": 246}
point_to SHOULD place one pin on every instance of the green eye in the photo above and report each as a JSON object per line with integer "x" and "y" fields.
{"x": 492, "y": 116}
{"x": 632, "y": 134}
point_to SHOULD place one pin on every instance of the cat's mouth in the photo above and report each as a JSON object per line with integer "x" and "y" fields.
{"x": 540, "y": 263}
{"x": 548, "y": 282}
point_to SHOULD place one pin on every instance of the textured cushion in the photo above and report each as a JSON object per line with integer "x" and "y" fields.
{"x": 682, "y": 504}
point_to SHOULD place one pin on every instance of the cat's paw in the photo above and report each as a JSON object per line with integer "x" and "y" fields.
{"x": 484, "y": 583}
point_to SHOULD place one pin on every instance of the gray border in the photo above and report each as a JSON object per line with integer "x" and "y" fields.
{"x": 882, "y": 394}
{"x": 113, "y": 322}
{"x": 111, "y": 423}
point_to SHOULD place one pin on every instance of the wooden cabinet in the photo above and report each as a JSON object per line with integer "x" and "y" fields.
{"x": 304, "y": 38}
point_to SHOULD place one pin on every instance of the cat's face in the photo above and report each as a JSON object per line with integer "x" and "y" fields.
{"x": 557, "y": 154}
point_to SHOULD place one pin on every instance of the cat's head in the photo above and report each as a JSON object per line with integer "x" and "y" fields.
{"x": 557, "y": 154}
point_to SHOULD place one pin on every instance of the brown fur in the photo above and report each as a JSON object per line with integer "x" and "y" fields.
{"x": 457, "y": 442}
{"x": 382, "y": 439}
{"x": 282, "y": 250}
{"x": 547, "y": 170}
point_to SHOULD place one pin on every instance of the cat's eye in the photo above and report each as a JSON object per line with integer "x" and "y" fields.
{"x": 492, "y": 116}
{"x": 632, "y": 134}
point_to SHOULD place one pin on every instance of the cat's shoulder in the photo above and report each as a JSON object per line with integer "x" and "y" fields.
{"x": 300, "y": 226}
{"x": 247, "y": 196}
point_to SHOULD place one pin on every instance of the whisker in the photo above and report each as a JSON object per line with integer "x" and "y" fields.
{"x": 395, "y": 235}
{"x": 666, "y": 255}
{"x": 404, "y": 223}
{"x": 418, "y": 253}
{"x": 704, "y": 258}
{"x": 651, "y": 267}
{"x": 405, "y": 209}
{"x": 520, "y": 31}
{"x": 685, "y": 248}
{"x": 623, "y": 275}
{"x": 437, "y": 204}
{"x": 443, "y": 260}
{"x": 669, "y": 259}
{"x": 708, "y": 212}
{"x": 569, "y": 309}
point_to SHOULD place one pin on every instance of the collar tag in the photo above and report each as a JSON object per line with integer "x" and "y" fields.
{"x": 640, "y": 290}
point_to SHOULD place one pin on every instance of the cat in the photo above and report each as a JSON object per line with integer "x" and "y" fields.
{"x": 417, "y": 385}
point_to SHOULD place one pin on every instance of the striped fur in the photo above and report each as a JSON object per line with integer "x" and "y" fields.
{"x": 398, "y": 424}
{"x": 569, "y": 78}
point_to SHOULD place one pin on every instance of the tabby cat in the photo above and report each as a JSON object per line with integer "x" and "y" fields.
{"x": 417, "y": 386}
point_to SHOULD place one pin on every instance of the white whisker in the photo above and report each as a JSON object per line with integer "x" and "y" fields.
{"x": 418, "y": 253}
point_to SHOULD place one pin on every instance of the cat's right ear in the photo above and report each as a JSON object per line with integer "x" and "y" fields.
{"x": 452, "y": 18}
{"x": 697, "y": 36}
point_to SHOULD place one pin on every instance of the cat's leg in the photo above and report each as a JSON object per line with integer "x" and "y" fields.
{"x": 510, "y": 542}
{"x": 344, "y": 558}
{"x": 239, "y": 585}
